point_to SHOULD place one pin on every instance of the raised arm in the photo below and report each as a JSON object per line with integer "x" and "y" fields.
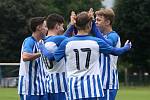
{"x": 71, "y": 28}
{"x": 98, "y": 33}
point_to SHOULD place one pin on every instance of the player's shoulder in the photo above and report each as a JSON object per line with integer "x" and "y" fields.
{"x": 54, "y": 38}
{"x": 85, "y": 37}
{"x": 29, "y": 42}
{"x": 113, "y": 33}
{"x": 30, "y": 39}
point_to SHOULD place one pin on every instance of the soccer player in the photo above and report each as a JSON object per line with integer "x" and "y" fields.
{"x": 104, "y": 20}
{"x": 56, "y": 76}
{"x": 31, "y": 85}
{"x": 82, "y": 54}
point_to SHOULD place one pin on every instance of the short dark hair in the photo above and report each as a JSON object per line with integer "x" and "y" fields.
{"x": 82, "y": 20}
{"x": 54, "y": 19}
{"x": 34, "y": 22}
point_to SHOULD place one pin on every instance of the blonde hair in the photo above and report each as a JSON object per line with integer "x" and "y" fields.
{"x": 108, "y": 13}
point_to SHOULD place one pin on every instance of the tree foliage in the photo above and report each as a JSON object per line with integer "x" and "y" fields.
{"x": 133, "y": 23}
{"x": 14, "y": 16}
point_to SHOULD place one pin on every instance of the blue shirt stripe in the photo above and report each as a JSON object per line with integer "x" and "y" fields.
{"x": 89, "y": 85}
{"x": 76, "y": 87}
{"x": 64, "y": 81}
{"x": 52, "y": 83}
{"x": 99, "y": 85}
{"x": 113, "y": 86}
{"x": 41, "y": 79}
{"x": 108, "y": 70}
{"x": 35, "y": 75}
{"x": 21, "y": 84}
{"x": 58, "y": 82}
{"x": 49, "y": 84}
{"x": 30, "y": 78}
{"x": 82, "y": 87}
{"x": 71, "y": 95}
{"x": 104, "y": 69}
{"x": 94, "y": 83}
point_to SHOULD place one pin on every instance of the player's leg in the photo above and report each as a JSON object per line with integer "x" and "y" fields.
{"x": 44, "y": 97}
{"x": 50, "y": 96}
{"x": 95, "y": 98}
{"x": 29, "y": 97}
{"x": 22, "y": 97}
{"x": 106, "y": 94}
{"x": 32, "y": 97}
{"x": 109, "y": 94}
{"x": 57, "y": 96}
{"x": 112, "y": 94}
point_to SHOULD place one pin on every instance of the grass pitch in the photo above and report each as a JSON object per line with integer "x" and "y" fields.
{"x": 124, "y": 93}
{"x": 133, "y": 93}
{"x": 8, "y": 94}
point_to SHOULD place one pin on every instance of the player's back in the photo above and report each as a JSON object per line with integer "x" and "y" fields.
{"x": 82, "y": 55}
{"x": 82, "y": 59}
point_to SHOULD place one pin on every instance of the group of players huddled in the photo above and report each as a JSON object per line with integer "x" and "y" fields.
{"x": 78, "y": 64}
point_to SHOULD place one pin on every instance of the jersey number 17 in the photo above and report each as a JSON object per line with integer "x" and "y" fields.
{"x": 88, "y": 50}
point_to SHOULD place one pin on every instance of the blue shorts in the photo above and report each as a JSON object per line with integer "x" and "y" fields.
{"x": 95, "y": 98}
{"x": 33, "y": 97}
{"x": 57, "y": 96}
{"x": 109, "y": 94}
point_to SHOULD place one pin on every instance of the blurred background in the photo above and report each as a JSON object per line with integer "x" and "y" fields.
{"x": 132, "y": 22}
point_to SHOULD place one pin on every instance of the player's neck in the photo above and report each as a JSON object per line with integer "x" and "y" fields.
{"x": 83, "y": 32}
{"x": 51, "y": 33}
{"x": 107, "y": 30}
{"x": 36, "y": 36}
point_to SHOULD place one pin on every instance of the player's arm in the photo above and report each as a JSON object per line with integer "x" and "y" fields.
{"x": 107, "y": 49}
{"x": 46, "y": 52}
{"x": 71, "y": 28}
{"x": 27, "y": 50}
{"x": 98, "y": 33}
{"x": 30, "y": 56}
{"x": 95, "y": 29}
{"x": 60, "y": 52}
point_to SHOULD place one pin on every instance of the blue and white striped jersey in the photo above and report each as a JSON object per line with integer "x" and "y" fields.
{"x": 82, "y": 54}
{"x": 108, "y": 66}
{"x": 56, "y": 71}
{"x": 31, "y": 73}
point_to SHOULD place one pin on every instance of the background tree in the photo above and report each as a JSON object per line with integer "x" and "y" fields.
{"x": 14, "y": 16}
{"x": 133, "y": 22}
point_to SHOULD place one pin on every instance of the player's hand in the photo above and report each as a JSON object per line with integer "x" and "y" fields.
{"x": 73, "y": 18}
{"x": 128, "y": 45}
{"x": 91, "y": 13}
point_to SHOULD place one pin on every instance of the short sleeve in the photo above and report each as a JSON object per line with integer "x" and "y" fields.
{"x": 113, "y": 38}
{"x": 28, "y": 45}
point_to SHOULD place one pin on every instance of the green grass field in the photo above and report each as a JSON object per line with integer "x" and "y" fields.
{"x": 125, "y": 93}
{"x": 133, "y": 93}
